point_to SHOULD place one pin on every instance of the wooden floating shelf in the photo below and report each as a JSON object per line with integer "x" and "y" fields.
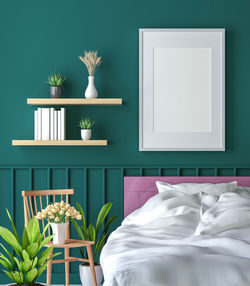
{"x": 59, "y": 142}
{"x": 74, "y": 101}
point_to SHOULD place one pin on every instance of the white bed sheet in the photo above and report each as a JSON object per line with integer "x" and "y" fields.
{"x": 156, "y": 245}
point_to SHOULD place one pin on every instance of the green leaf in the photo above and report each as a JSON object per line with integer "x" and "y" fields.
{"x": 108, "y": 223}
{"x": 102, "y": 214}
{"x": 44, "y": 255}
{"x": 10, "y": 255}
{"x": 19, "y": 266}
{"x": 85, "y": 232}
{"x": 10, "y": 275}
{"x": 34, "y": 262}
{"x": 79, "y": 208}
{"x": 31, "y": 275}
{"x": 91, "y": 232}
{"x": 32, "y": 249}
{"x": 13, "y": 226}
{"x": 9, "y": 264}
{"x": 5, "y": 264}
{"x": 25, "y": 255}
{"x": 26, "y": 266}
{"x": 25, "y": 239}
{"x": 11, "y": 240}
{"x": 46, "y": 240}
{"x": 18, "y": 277}
{"x": 41, "y": 270}
{"x": 78, "y": 229}
{"x": 45, "y": 229}
{"x": 102, "y": 241}
{"x": 33, "y": 230}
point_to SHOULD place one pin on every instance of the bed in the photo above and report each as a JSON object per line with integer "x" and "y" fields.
{"x": 181, "y": 231}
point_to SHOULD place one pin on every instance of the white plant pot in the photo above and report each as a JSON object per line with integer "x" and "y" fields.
{"x": 85, "y": 275}
{"x": 86, "y": 134}
{"x": 59, "y": 231}
{"x": 91, "y": 91}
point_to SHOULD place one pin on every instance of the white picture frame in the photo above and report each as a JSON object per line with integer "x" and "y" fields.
{"x": 181, "y": 89}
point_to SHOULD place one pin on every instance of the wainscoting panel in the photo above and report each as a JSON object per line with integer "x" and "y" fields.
{"x": 93, "y": 185}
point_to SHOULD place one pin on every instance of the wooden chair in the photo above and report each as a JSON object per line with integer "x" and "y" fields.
{"x": 31, "y": 209}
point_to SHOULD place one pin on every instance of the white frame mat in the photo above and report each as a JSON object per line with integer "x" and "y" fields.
{"x": 182, "y": 89}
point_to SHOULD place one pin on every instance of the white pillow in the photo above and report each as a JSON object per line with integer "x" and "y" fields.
{"x": 193, "y": 188}
{"x": 243, "y": 191}
{"x": 162, "y": 205}
{"x": 232, "y": 211}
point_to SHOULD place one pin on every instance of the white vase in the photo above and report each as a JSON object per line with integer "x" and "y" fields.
{"x": 91, "y": 91}
{"x": 59, "y": 231}
{"x": 86, "y": 134}
{"x": 85, "y": 275}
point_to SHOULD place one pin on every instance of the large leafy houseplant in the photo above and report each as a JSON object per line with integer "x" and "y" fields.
{"x": 30, "y": 259}
{"x": 96, "y": 234}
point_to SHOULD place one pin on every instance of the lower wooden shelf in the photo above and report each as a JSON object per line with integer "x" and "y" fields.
{"x": 59, "y": 142}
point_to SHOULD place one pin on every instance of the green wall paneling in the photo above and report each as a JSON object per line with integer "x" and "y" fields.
{"x": 93, "y": 185}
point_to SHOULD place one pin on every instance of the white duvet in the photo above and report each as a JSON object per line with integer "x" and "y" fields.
{"x": 169, "y": 242}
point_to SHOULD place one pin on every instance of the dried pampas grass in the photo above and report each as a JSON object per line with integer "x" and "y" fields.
{"x": 91, "y": 61}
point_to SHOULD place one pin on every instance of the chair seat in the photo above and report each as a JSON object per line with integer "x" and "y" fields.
{"x": 70, "y": 243}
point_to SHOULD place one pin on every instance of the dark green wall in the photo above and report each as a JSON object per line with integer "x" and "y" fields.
{"x": 41, "y": 36}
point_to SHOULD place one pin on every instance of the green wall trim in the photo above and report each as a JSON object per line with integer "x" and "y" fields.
{"x": 93, "y": 185}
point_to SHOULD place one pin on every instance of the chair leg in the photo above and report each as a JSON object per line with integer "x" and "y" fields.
{"x": 91, "y": 263}
{"x": 49, "y": 270}
{"x": 66, "y": 255}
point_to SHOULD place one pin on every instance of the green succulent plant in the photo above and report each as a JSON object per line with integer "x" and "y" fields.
{"x": 30, "y": 260}
{"x": 91, "y": 233}
{"x": 56, "y": 79}
{"x": 86, "y": 123}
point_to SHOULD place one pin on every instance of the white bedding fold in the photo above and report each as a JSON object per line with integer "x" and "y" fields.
{"x": 155, "y": 247}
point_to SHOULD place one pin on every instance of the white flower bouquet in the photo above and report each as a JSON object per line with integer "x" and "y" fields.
{"x": 59, "y": 213}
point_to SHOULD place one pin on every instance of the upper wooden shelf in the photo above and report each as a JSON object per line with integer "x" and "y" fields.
{"x": 74, "y": 101}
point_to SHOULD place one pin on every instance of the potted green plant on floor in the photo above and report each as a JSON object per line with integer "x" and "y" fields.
{"x": 56, "y": 80}
{"x": 98, "y": 235}
{"x": 86, "y": 124}
{"x": 30, "y": 259}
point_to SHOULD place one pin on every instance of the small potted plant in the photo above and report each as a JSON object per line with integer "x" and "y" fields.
{"x": 56, "y": 80}
{"x": 86, "y": 124}
{"x": 91, "y": 233}
{"x": 29, "y": 260}
{"x": 59, "y": 215}
{"x": 91, "y": 61}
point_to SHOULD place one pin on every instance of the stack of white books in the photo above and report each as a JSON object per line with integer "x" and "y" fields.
{"x": 50, "y": 124}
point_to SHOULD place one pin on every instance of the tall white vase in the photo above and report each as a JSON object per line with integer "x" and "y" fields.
{"x": 91, "y": 91}
{"x": 59, "y": 231}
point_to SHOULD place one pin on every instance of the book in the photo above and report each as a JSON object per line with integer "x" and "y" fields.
{"x": 39, "y": 123}
{"x": 59, "y": 125}
{"x": 36, "y": 125}
{"x": 52, "y": 111}
{"x": 55, "y": 125}
{"x": 63, "y": 124}
{"x": 45, "y": 124}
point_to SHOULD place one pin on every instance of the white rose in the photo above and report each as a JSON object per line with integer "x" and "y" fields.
{"x": 67, "y": 206}
{"x": 57, "y": 219}
{"x": 52, "y": 216}
{"x": 43, "y": 215}
{"x": 61, "y": 212}
{"x": 53, "y": 210}
{"x": 62, "y": 203}
{"x": 78, "y": 217}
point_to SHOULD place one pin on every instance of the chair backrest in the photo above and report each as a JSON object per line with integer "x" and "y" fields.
{"x": 35, "y": 201}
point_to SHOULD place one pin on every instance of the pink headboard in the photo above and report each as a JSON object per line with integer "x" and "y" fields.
{"x": 137, "y": 190}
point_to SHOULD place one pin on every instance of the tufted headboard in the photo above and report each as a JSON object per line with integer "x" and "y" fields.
{"x": 137, "y": 190}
